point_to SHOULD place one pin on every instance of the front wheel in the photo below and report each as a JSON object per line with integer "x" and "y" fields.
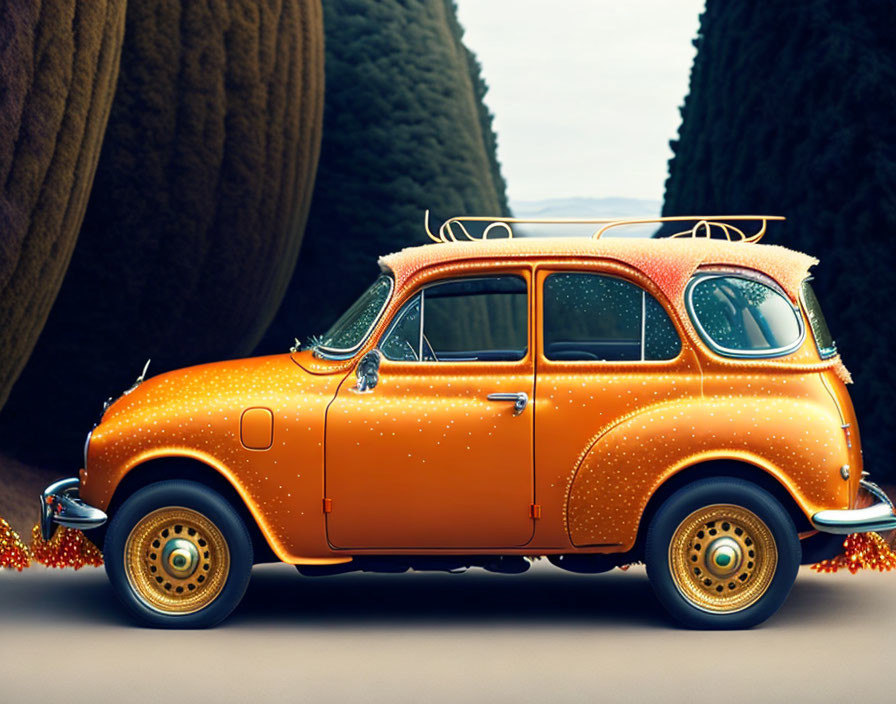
{"x": 178, "y": 555}
{"x": 722, "y": 554}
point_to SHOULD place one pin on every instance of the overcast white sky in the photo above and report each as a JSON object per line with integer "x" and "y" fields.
{"x": 585, "y": 93}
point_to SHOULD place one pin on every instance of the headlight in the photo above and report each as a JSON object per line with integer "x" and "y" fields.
{"x": 87, "y": 447}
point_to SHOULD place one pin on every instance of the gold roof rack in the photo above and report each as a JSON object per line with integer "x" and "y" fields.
{"x": 705, "y": 224}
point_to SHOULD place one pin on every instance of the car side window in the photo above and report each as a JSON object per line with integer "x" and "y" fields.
{"x": 462, "y": 320}
{"x": 402, "y": 343}
{"x": 593, "y": 317}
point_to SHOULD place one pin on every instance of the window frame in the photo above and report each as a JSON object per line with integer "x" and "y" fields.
{"x": 549, "y": 270}
{"x": 420, "y": 291}
{"x": 755, "y": 277}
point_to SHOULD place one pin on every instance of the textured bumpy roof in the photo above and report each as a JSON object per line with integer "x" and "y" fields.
{"x": 668, "y": 262}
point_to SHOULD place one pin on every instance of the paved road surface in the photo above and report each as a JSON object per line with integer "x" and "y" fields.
{"x": 545, "y": 636}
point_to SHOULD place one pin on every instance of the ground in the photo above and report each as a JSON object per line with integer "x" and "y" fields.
{"x": 545, "y": 636}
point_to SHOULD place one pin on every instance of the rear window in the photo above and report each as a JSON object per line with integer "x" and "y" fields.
{"x": 738, "y": 316}
{"x": 824, "y": 341}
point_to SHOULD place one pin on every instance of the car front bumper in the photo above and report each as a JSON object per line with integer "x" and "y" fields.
{"x": 60, "y": 504}
{"x": 880, "y": 517}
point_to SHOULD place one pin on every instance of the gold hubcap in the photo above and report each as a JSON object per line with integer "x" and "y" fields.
{"x": 722, "y": 558}
{"x": 176, "y": 560}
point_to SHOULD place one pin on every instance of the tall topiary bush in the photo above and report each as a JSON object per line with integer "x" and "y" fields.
{"x": 791, "y": 112}
{"x": 405, "y": 129}
{"x": 58, "y": 66}
{"x": 198, "y": 208}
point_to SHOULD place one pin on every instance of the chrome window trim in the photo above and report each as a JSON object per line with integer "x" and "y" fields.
{"x": 336, "y": 354}
{"x": 421, "y": 292}
{"x": 422, "y": 322}
{"x": 742, "y": 354}
{"x": 821, "y": 353}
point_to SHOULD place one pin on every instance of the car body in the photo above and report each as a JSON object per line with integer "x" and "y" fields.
{"x": 493, "y": 400}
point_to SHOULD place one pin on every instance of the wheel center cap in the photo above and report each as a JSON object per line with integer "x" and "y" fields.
{"x": 180, "y": 558}
{"x": 723, "y": 557}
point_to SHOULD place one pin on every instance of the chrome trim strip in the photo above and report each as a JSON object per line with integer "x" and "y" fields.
{"x": 87, "y": 445}
{"x": 422, "y": 309}
{"x": 742, "y": 354}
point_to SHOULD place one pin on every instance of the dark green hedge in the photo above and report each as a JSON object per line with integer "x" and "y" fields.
{"x": 405, "y": 129}
{"x": 791, "y": 111}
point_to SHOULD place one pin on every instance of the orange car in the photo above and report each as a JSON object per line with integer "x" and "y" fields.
{"x": 597, "y": 401}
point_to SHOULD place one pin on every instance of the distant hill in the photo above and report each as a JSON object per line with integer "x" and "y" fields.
{"x": 584, "y": 208}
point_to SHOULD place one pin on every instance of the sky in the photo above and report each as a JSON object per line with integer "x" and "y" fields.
{"x": 585, "y": 93}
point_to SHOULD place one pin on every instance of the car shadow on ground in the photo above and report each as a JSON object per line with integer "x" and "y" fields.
{"x": 475, "y": 598}
{"x": 278, "y": 596}
{"x": 544, "y": 596}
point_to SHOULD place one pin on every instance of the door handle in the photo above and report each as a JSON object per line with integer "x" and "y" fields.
{"x": 520, "y": 400}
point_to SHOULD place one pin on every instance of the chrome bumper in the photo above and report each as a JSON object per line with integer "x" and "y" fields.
{"x": 878, "y": 518}
{"x": 60, "y": 504}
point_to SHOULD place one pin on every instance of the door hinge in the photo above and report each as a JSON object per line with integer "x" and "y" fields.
{"x": 535, "y": 511}
{"x": 328, "y": 505}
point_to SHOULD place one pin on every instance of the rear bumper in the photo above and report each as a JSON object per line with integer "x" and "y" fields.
{"x": 61, "y": 505}
{"x": 880, "y": 517}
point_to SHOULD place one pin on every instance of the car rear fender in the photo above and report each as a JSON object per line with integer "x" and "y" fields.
{"x": 796, "y": 442}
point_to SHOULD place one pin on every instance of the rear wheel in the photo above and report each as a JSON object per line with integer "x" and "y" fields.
{"x": 722, "y": 553}
{"x": 178, "y": 555}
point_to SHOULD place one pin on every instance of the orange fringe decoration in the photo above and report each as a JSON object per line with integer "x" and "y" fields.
{"x": 67, "y": 548}
{"x": 13, "y": 552}
{"x": 861, "y": 551}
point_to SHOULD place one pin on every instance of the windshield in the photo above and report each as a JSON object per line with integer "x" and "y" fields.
{"x": 355, "y": 324}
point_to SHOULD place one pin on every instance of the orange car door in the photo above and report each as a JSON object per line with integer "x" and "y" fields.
{"x": 426, "y": 459}
{"x": 608, "y": 350}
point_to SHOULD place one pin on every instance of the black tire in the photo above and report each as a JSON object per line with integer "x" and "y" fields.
{"x": 232, "y": 570}
{"x": 765, "y": 588}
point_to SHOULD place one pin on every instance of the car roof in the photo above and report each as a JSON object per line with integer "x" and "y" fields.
{"x": 668, "y": 262}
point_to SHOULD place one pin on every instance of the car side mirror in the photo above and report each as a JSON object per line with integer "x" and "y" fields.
{"x": 368, "y": 372}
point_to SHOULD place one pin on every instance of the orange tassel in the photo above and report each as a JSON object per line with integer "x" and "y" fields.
{"x": 13, "y": 552}
{"x": 861, "y": 551}
{"x": 66, "y": 548}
